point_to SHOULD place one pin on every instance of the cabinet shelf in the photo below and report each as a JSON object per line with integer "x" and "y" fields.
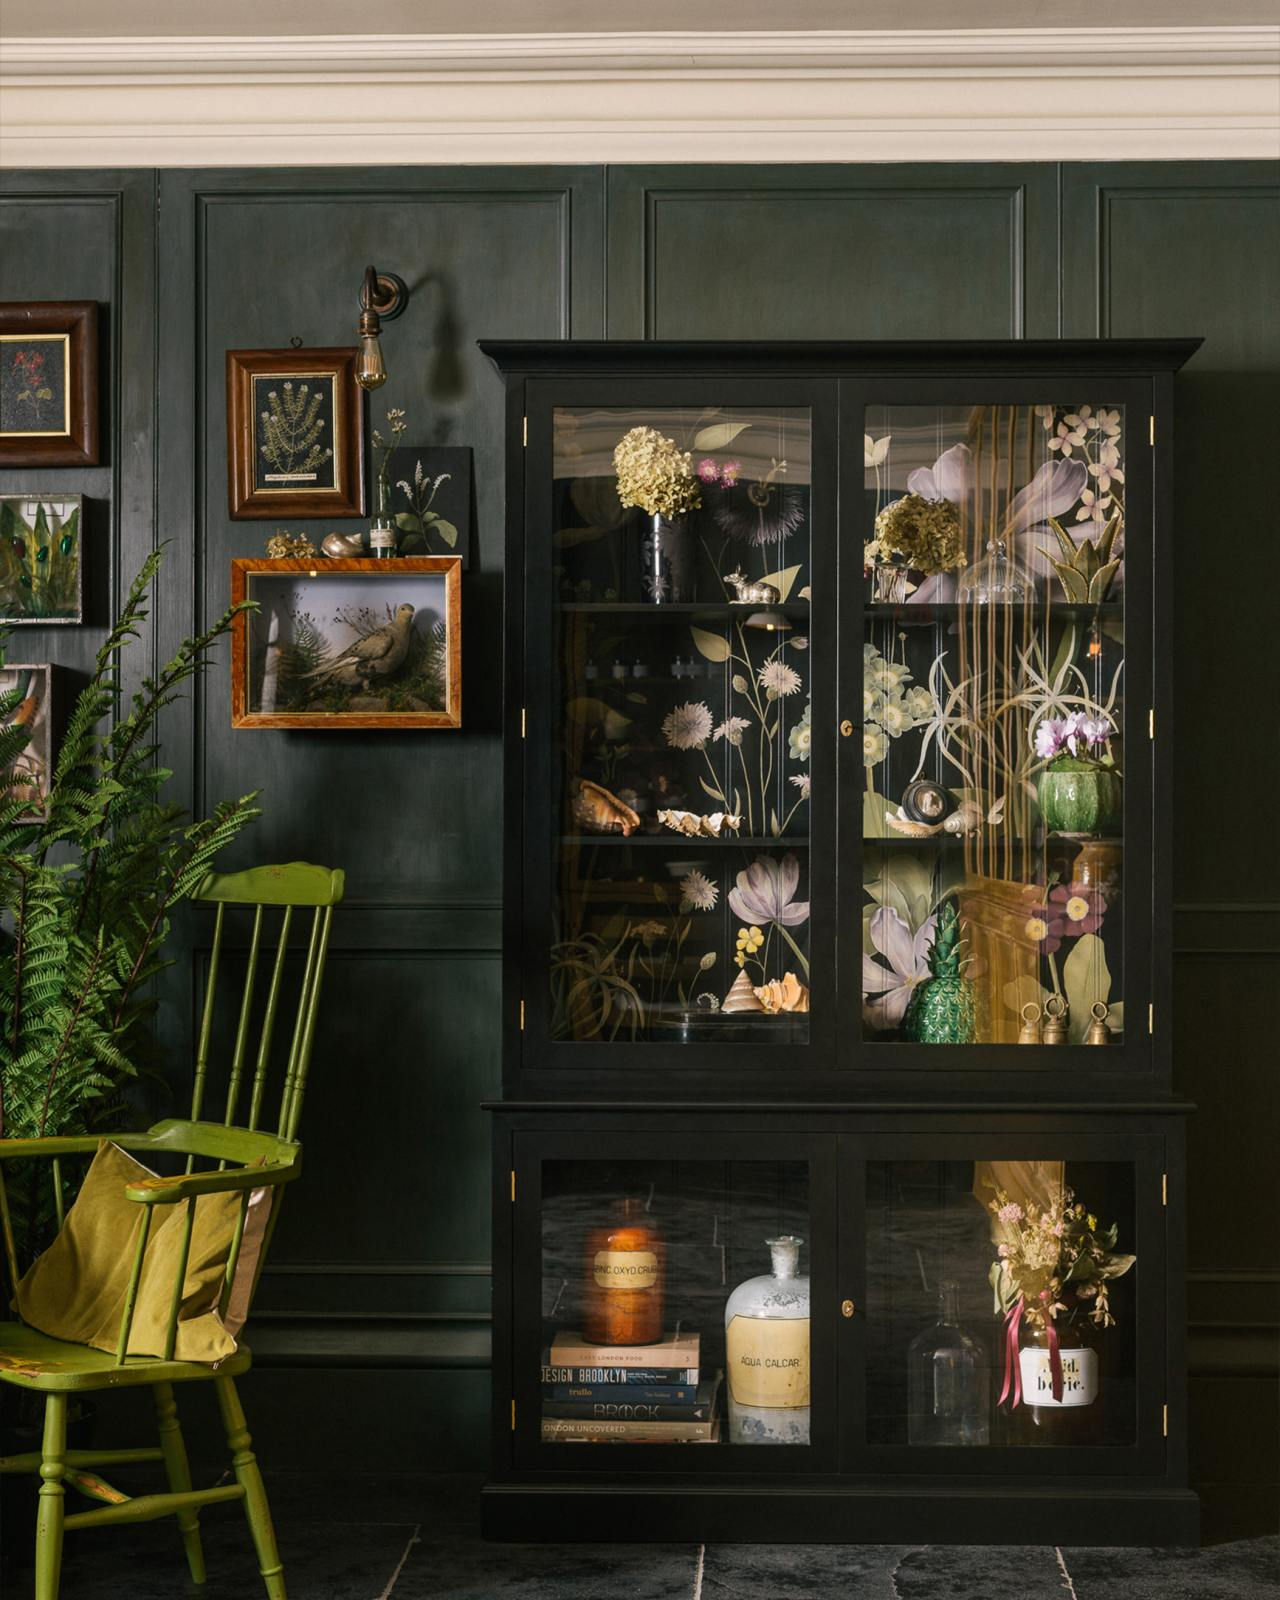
{"x": 717, "y": 611}
{"x": 950, "y": 610}
{"x": 682, "y": 841}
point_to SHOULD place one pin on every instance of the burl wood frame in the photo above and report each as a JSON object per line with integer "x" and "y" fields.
{"x": 318, "y": 569}
{"x": 346, "y": 497}
{"x": 78, "y": 445}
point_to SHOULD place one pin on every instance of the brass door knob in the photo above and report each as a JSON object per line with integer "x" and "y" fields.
{"x": 846, "y": 727}
{"x": 846, "y": 1308}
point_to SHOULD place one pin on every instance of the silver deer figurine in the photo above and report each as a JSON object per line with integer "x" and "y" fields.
{"x": 750, "y": 593}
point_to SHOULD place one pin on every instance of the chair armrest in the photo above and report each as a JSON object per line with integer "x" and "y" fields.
{"x": 71, "y": 1145}
{"x": 191, "y": 1185}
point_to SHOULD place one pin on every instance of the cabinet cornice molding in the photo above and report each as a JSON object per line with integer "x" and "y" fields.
{"x": 891, "y": 95}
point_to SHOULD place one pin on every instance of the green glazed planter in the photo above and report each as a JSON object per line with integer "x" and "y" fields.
{"x": 1080, "y": 799}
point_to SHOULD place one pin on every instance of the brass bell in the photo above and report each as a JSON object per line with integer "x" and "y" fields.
{"x": 1055, "y": 1023}
{"x": 1029, "y": 1033}
{"x": 1098, "y": 1032}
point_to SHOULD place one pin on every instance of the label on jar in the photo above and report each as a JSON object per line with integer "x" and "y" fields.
{"x": 767, "y": 1361}
{"x": 626, "y": 1269}
{"x": 1079, "y": 1378}
{"x": 382, "y": 539}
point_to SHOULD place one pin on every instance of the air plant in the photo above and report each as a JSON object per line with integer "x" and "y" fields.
{"x": 1087, "y": 570}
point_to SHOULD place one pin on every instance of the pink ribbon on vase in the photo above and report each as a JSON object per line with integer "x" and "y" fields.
{"x": 1055, "y": 1361}
{"x": 1012, "y": 1374}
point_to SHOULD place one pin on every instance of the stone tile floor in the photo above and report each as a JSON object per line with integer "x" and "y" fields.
{"x": 414, "y": 1537}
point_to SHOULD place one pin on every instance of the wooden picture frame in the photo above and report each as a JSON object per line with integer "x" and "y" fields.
{"x": 41, "y": 559}
{"x": 297, "y": 661}
{"x": 49, "y": 383}
{"x": 295, "y": 434}
{"x": 43, "y": 711}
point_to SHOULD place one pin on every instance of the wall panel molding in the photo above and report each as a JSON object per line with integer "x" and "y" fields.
{"x": 941, "y": 95}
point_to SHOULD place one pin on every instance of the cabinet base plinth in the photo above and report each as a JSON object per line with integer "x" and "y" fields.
{"x": 816, "y": 1513}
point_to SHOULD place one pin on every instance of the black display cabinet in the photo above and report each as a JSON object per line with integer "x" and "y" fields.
{"x": 829, "y": 663}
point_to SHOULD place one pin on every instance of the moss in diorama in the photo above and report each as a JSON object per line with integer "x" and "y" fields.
{"x": 386, "y": 664}
{"x": 944, "y": 1008}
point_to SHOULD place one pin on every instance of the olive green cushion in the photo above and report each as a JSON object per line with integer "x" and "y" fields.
{"x": 76, "y": 1290}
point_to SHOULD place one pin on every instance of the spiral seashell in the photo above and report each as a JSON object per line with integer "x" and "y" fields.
{"x": 742, "y": 997}
{"x": 596, "y": 810}
{"x": 966, "y": 818}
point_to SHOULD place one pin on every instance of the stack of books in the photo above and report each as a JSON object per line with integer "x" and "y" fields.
{"x": 628, "y": 1394}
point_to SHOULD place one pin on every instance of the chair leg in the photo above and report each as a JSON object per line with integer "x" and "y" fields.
{"x": 249, "y": 1476}
{"x": 179, "y": 1474}
{"x": 53, "y": 1464}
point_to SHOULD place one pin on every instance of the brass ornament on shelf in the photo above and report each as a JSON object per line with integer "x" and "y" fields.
{"x": 1030, "y": 1033}
{"x": 1099, "y": 1032}
{"x": 283, "y": 544}
{"x": 1055, "y": 1024}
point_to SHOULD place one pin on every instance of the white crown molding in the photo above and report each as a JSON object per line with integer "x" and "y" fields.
{"x": 976, "y": 94}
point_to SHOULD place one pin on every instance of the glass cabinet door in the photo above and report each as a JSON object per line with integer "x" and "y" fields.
{"x": 1005, "y": 767}
{"x": 670, "y": 1305}
{"x": 672, "y": 886}
{"x": 1007, "y": 1295}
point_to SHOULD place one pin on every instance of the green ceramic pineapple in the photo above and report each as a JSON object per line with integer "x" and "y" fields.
{"x": 944, "y": 1008}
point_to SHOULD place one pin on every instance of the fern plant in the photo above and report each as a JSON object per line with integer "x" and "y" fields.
{"x": 87, "y": 891}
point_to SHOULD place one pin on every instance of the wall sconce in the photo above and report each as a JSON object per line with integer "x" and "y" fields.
{"x": 382, "y": 296}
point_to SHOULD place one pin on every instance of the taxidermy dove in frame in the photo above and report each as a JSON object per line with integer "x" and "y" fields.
{"x": 377, "y": 655}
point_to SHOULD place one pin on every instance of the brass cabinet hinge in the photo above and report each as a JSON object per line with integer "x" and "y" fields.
{"x": 523, "y": 722}
{"x": 1164, "y": 1188}
{"x": 513, "y": 1186}
{"x": 524, "y": 431}
{"x": 1151, "y": 1017}
{"x": 1151, "y": 722}
{"x": 1153, "y": 432}
{"x": 513, "y": 1416}
{"x": 522, "y": 1016}
{"x": 1164, "y": 1420}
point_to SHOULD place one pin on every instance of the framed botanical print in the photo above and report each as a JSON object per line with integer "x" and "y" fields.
{"x": 295, "y": 434}
{"x": 41, "y": 570}
{"x": 338, "y": 643}
{"x": 30, "y": 699}
{"x": 49, "y": 383}
{"x": 429, "y": 487}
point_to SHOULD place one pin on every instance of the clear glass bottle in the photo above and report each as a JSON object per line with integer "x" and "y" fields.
{"x": 766, "y": 1322}
{"x": 948, "y": 1380}
{"x": 382, "y": 534}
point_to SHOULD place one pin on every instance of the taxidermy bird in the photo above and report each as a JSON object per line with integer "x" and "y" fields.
{"x": 377, "y": 655}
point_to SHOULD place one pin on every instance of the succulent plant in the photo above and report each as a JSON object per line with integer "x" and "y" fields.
{"x": 1087, "y": 569}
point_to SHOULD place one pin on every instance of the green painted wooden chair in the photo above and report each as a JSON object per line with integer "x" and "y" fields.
{"x": 240, "y": 1158}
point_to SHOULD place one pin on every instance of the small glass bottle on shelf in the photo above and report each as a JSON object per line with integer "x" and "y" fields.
{"x": 624, "y": 1279}
{"x": 766, "y": 1323}
{"x": 948, "y": 1380}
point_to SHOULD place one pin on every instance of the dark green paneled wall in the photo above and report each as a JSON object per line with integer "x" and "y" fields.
{"x": 189, "y": 264}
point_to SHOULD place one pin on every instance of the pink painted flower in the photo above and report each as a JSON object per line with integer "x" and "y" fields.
{"x": 708, "y": 471}
{"x": 1080, "y": 908}
{"x": 1044, "y": 927}
{"x": 729, "y": 474}
{"x": 1011, "y": 1211}
{"x": 764, "y": 893}
{"x": 887, "y": 990}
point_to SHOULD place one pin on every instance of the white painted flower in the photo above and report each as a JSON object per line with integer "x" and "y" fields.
{"x": 1046, "y": 415}
{"x": 799, "y": 643}
{"x": 895, "y": 719}
{"x": 874, "y": 745}
{"x": 688, "y": 727}
{"x": 732, "y": 729}
{"x": 872, "y": 703}
{"x": 889, "y": 676}
{"x": 887, "y": 989}
{"x": 874, "y": 450}
{"x": 697, "y": 893}
{"x": 1067, "y": 437}
{"x": 778, "y": 678}
{"x": 1108, "y": 422}
{"x": 1093, "y": 508}
{"x": 919, "y": 703}
{"x": 801, "y": 782}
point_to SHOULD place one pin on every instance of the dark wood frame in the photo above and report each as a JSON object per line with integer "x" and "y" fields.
{"x": 347, "y": 497}
{"x": 78, "y": 446}
{"x": 245, "y": 567}
{"x": 847, "y": 1098}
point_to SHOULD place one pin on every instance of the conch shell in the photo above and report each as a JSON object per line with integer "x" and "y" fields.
{"x": 695, "y": 826}
{"x": 596, "y": 810}
{"x": 786, "y": 994}
{"x": 342, "y": 544}
{"x": 742, "y": 997}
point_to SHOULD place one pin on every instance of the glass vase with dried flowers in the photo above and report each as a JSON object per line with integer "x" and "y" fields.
{"x": 382, "y": 533}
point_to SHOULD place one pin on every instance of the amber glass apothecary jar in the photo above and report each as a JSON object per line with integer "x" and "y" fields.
{"x": 625, "y": 1270}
